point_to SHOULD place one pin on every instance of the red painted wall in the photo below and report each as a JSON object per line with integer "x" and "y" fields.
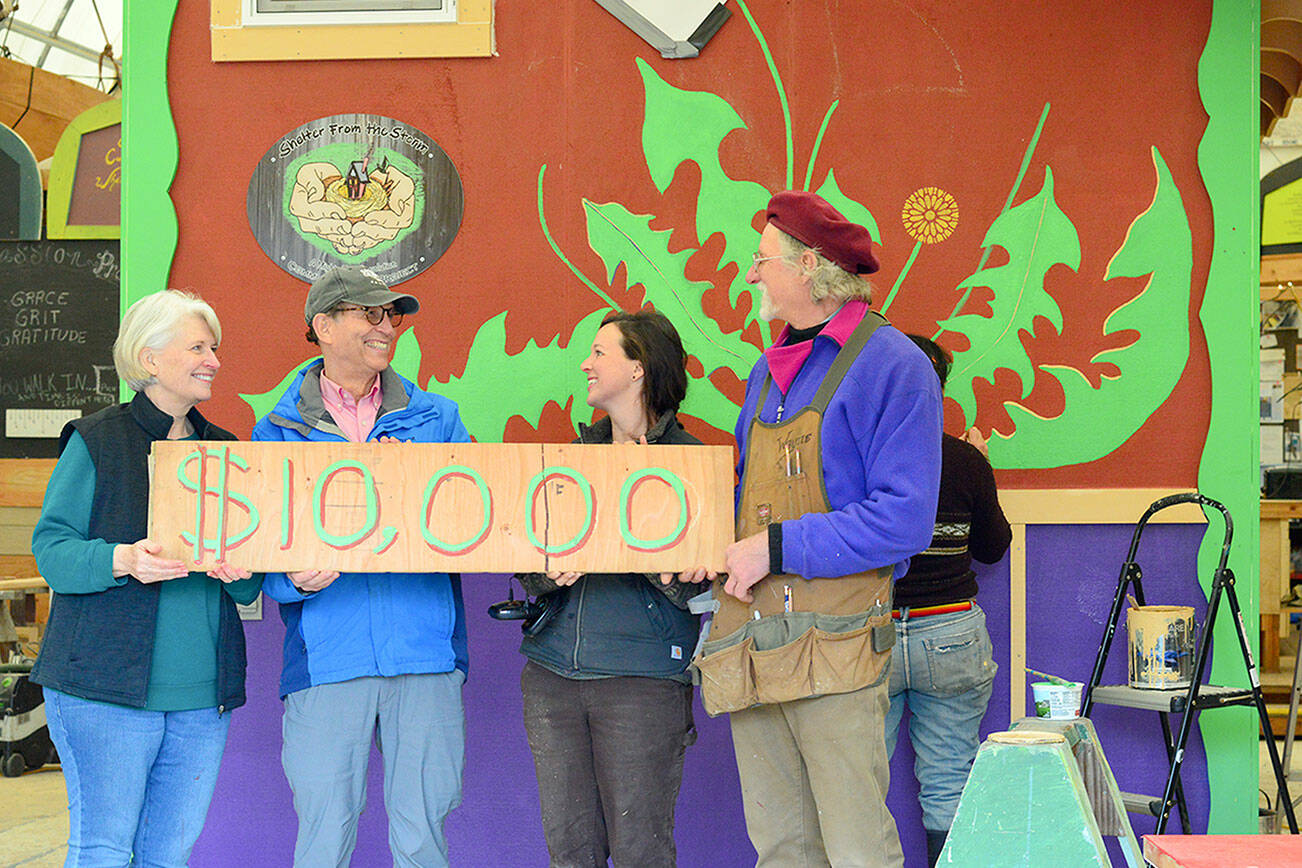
{"x": 930, "y": 95}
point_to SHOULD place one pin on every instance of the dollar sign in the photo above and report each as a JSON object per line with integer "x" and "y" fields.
{"x": 220, "y": 491}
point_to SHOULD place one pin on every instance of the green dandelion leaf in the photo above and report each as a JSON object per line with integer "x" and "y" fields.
{"x": 682, "y": 126}
{"x": 1158, "y": 244}
{"x": 537, "y": 374}
{"x": 1037, "y": 236}
{"x": 621, "y": 237}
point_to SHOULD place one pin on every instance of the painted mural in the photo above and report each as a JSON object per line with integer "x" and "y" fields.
{"x": 1030, "y": 210}
{"x": 1043, "y": 403}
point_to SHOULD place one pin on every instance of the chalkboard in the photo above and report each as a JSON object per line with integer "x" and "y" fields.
{"x": 57, "y": 326}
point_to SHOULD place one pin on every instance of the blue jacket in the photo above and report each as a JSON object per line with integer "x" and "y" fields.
{"x": 880, "y": 451}
{"x": 365, "y": 624}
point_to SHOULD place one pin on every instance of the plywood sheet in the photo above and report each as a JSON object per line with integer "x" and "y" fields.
{"x": 468, "y": 507}
{"x": 1222, "y": 851}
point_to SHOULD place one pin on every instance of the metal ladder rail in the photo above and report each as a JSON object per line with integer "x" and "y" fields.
{"x": 1130, "y": 576}
{"x": 1264, "y": 715}
{"x": 1223, "y": 580}
{"x": 1130, "y": 573}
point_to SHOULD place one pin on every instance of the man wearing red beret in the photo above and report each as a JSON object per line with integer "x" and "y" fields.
{"x": 840, "y": 464}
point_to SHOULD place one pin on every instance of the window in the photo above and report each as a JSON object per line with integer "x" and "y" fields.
{"x": 350, "y": 29}
{"x": 262, "y": 13}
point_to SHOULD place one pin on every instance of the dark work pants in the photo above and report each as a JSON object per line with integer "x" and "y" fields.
{"x": 609, "y": 758}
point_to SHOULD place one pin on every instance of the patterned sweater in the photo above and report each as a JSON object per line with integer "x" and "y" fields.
{"x": 969, "y": 524}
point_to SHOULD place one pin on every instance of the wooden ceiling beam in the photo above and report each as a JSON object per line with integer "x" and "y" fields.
{"x": 1283, "y": 68}
{"x": 55, "y": 101}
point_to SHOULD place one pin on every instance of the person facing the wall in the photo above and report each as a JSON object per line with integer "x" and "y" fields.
{"x": 607, "y": 699}
{"x": 840, "y": 461}
{"x": 367, "y": 654}
{"x": 942, "y": 667}
{"x": 142, "y": 660}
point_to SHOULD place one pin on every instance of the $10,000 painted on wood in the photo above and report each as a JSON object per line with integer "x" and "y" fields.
{"x": 461, "y": 507}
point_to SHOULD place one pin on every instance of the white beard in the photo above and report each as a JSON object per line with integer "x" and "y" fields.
{"x": 767, "y": 311}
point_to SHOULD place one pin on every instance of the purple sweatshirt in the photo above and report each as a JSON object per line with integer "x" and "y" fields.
{"x": 880, "y": 449}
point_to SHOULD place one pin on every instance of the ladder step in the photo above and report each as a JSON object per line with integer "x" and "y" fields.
{"x": 1140, "y": 804}
{"x": 1209, "y": 696}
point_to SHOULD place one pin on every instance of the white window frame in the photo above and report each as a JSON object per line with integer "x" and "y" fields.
{"x": 253, "y": 17}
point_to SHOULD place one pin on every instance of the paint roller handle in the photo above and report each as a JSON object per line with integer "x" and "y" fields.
{"x": 1052, "y": 679}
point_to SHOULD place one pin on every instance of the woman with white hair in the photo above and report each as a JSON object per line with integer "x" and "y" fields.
{"x": 142, "y": 661}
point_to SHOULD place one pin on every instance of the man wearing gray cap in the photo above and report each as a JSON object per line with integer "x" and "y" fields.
{"x": 367, "y": 655}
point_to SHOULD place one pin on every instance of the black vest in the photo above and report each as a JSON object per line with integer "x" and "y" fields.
{"x": 99, "y": 646}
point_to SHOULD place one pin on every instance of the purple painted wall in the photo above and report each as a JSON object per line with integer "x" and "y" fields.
{"x": 1072, "y": 573}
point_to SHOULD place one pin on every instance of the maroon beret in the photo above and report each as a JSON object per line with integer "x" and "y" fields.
{"x": 809, "y": 218}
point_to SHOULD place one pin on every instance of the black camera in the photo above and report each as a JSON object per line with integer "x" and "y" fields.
{"x": 533, "y": 613}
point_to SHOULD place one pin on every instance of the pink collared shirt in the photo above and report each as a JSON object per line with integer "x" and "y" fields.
{"x": 786, "y": 361}
{"x": 355, "y": 418}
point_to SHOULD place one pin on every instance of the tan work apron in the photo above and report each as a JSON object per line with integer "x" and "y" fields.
{"x": 800, "y": 637}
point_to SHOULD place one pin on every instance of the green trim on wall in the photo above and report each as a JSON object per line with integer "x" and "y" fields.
{"x": 1228, "y": 471}
{"x": 149, "y": 159}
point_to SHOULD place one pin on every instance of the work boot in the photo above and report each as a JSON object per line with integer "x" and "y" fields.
{"x": 935, "y": 843}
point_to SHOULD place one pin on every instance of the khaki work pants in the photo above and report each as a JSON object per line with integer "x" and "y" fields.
{"x": 814, "y": 775}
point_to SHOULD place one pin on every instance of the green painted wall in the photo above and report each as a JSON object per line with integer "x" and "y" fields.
{"x": 1228, "y": 471}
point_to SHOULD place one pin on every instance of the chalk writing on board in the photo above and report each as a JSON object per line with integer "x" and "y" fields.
{"x": 58, "y": 319}
{"x": 102, "y": 264}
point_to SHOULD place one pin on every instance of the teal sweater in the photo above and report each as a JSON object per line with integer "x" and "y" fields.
{"x": 183, "y": 671}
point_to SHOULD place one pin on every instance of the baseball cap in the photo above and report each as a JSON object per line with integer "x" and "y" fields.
{"x": 356, "y": 285}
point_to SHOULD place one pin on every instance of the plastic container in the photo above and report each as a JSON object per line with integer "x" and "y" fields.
{"x": 1057, "y": 701}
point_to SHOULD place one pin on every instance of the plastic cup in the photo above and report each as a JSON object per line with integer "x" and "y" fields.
{"x": 1057, "y": 701}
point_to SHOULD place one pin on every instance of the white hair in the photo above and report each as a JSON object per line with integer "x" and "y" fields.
{"x": 152, "y": 322}
{"x": 826, "y": 279}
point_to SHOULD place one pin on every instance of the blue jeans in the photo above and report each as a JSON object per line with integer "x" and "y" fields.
{"x": 418, "y": 723}
{"x": 139, "y": 782}
{"x": 942, "y": 670}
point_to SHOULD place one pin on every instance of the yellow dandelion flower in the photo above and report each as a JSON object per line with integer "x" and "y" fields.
{"x": 930, "y": 215}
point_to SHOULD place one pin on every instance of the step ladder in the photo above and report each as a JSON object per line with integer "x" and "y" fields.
{"x": 1185, "y": 702}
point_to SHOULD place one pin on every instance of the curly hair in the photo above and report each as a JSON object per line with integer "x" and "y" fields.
{"x": 826, "y": 279}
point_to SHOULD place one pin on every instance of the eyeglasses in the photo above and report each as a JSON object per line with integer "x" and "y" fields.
{"x": 756, "y": 259}
{"x": 375, "y": 315}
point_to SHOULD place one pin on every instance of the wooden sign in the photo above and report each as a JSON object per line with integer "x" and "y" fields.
{"x": 455, "y": 507}
{"x": 85, "y": 194}
{"x": 355, "y": 189}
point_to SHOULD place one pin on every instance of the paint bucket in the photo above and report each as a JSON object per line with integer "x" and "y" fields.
{"x": 1161, "y": 646}
{"x": 1057, "y": 701}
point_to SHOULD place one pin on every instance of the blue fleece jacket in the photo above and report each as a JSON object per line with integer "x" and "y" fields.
{"x": 366, "y": 624}
{"x": 880, "y": 451}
